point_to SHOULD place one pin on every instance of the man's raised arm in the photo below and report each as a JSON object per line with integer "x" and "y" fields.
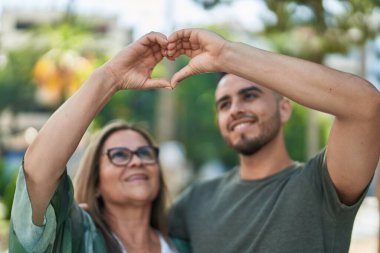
{"x": 354, "y": 144}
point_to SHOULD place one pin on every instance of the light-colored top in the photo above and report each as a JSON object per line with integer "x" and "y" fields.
{"x": 165, "y": 248}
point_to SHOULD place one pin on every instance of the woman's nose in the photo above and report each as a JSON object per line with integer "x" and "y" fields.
{"x": 135, "y": 161}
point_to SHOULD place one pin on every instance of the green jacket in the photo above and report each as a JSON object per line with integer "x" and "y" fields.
{"x": 67, "y": 227}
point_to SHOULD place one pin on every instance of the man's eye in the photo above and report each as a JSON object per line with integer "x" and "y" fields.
{"x": 223, "y": 105}
{"x": 249, "y": 96}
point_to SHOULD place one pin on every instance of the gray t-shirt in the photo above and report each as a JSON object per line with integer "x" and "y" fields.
{"x": 295, "y": 210}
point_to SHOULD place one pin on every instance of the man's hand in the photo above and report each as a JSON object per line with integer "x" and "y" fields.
{"x": 203, "y": 47}
{"x": 131, "y": 68}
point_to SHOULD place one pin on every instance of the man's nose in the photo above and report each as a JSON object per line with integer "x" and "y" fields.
{"x": 236, "y": 109}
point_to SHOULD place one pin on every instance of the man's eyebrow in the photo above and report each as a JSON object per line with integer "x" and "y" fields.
{"x": 221, "y": 99}
{"x": 250, "y": 88}
{"x": 240, "y": 92}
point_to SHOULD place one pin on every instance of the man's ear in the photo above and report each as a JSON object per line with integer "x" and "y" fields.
{"x": 286, "y": 109}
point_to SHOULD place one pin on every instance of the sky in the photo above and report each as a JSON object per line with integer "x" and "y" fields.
{"x": 157, "y": 15}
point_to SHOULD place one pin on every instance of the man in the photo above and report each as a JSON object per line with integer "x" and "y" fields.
{"x": 270, "y": 203}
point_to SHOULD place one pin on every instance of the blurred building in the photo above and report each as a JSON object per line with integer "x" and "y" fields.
{"x": 15, "y": 25}
{"x": 18, "y": 130}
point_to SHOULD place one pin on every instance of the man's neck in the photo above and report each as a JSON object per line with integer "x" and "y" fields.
{"x": 269, "y": 160}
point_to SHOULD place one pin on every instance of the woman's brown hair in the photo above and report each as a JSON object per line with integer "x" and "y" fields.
{"x": 86, "y": 181}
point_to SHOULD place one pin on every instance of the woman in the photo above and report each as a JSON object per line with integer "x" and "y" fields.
{"x": 119, "y": 179}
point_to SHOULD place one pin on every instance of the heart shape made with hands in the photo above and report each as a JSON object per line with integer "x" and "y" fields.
{"x": 171, "y": 75}
{"x": 171, "y": 79}
{"x": 132, "y": 67}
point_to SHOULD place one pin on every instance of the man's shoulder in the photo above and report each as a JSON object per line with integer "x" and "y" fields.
{"x": 208, "y": 185}
{"x": 318, "y": 160}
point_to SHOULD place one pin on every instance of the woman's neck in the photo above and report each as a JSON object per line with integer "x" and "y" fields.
{"x": 132, "y": 227}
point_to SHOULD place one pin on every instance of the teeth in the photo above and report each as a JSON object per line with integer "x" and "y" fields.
{"x": 241, "y": 126}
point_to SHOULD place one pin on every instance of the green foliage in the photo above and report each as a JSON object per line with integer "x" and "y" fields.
{"x": 9, "y": 194}
{"x": 196, "y": 119}
{"x": 131, "y": 105}
{"x": 325, "y": 123}
{"x": 137, "y": 106}
{"x": 16, "y": 85}
{"x": 7, "y": 188}
{"x": 3, "y": 182}
{"x": 295, "y": 132}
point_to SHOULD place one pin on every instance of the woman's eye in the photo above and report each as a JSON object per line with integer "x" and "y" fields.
{"x": 119, "y": 155}
{"x": 146, "y": 154}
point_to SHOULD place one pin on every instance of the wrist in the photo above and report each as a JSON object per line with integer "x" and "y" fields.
{"x": 106, "y": 78}
{"x": 227, "y": 54}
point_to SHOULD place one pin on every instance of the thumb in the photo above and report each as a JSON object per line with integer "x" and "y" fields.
{"x": 181, "y": 75}
{"x": 157, "y": 83}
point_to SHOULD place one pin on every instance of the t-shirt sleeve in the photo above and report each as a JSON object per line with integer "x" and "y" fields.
{"x": 25, "y": 236}
{"x": 323, "y": 181}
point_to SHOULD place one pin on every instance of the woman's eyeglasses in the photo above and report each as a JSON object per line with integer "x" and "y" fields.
{"x": 121, "y": 156}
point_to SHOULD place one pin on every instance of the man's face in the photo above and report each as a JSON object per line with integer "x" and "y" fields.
{"x": 248, "y": 114}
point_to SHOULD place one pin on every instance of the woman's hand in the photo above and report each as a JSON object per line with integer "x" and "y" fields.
{"x": 131, "y": 68}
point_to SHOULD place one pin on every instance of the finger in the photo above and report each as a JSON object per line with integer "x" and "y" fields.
{"x": 175, "y": 36}
{"x": 158, "y": 37}
{"x": 176, "y": 41}
{"x": 173, "y": 48}
{"x": 181, "y": 75}
{"x": 155, "y": 38}
{"x": 157, "y": 83}
{"x": 175, "y": 55}
{"x": 183, "y": 34}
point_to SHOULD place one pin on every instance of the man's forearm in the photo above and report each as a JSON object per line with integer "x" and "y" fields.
{"x": 310, "y": 84}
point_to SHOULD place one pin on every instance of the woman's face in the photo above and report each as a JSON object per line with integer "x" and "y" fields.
{"x": 134, "y": 183}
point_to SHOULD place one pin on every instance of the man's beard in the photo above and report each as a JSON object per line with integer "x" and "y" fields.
{"x": 247, "y": 146}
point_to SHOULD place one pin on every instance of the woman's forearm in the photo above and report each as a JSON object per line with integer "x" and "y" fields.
{"x": 46, "y": 158}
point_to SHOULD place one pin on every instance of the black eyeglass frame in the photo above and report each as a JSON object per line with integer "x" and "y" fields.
{"x": 133, "y": 152}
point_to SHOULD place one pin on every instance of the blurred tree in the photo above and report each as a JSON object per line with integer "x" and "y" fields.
{"x": 57, "y": 59}
{"x": 196, "y": 124}
{"x": 313, "y": 29}
{"x": 16, "y": 88}
{"x": 7, "y": 188}
{"x": 68, "y": 62}
{"x": 59, "y": 73}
